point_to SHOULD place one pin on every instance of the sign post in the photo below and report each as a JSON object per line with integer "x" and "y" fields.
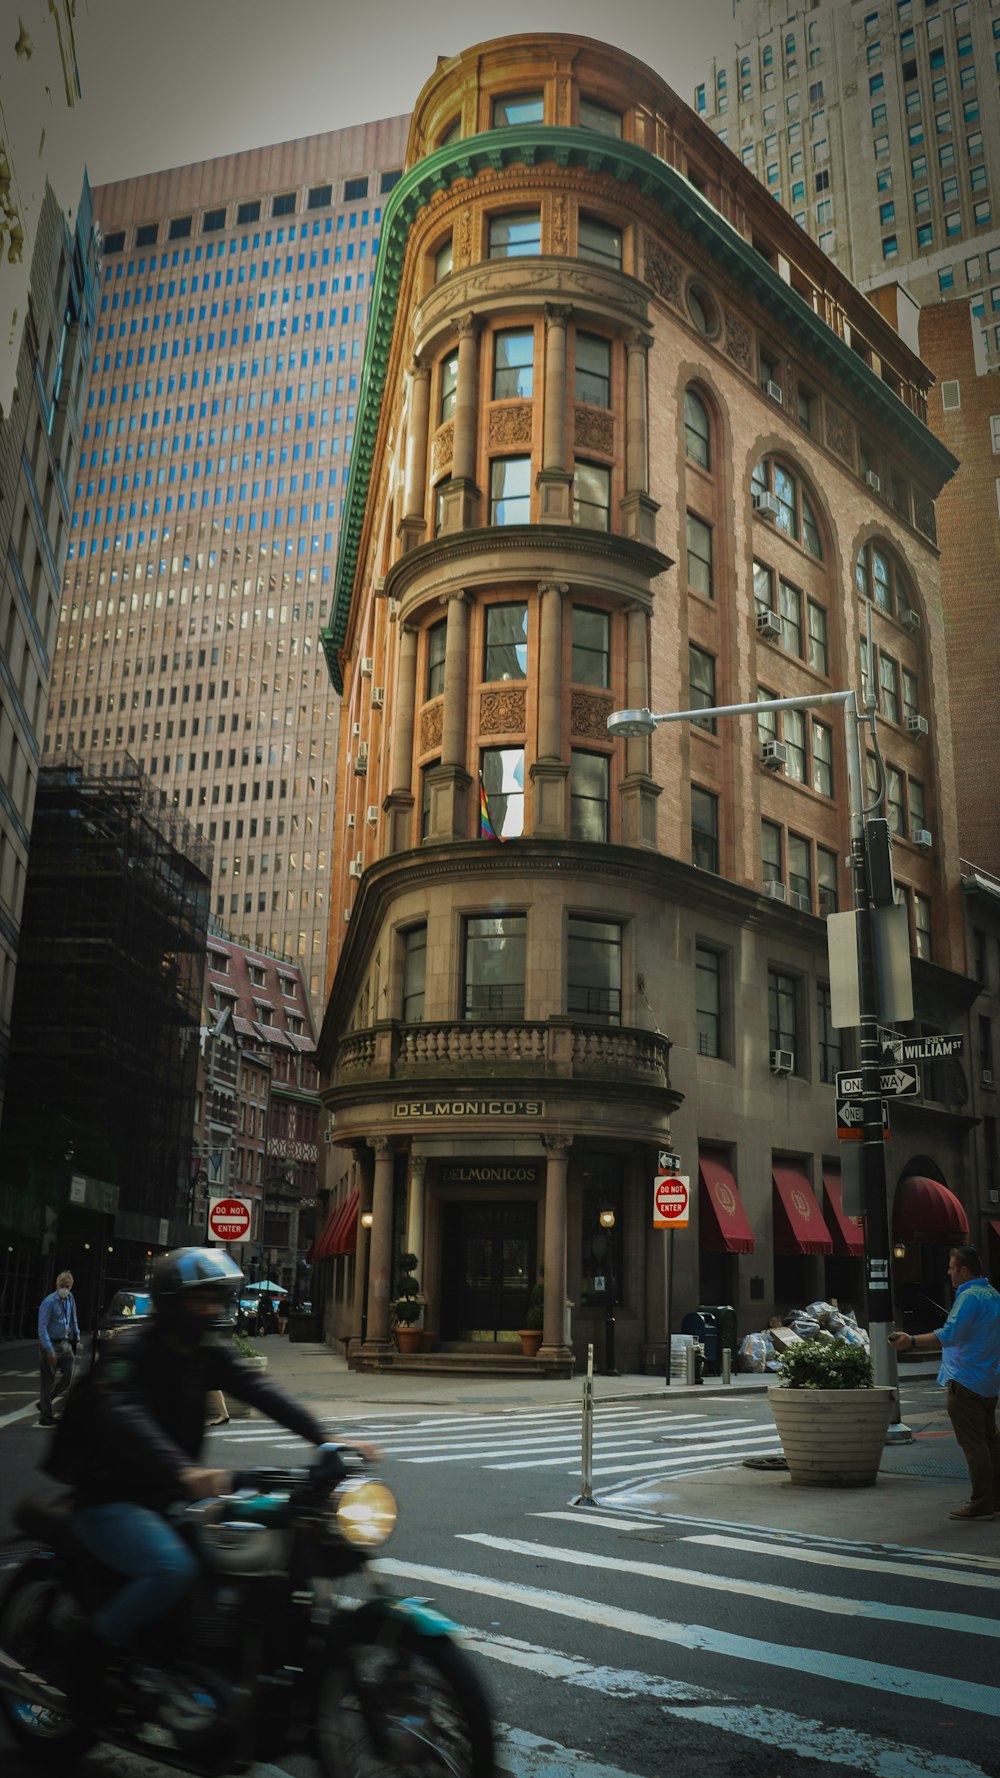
{"x": 229, "y": 1220}
{"x": 671, "y": 1210}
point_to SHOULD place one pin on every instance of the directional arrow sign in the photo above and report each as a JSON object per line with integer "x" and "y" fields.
{"x": 851, "y": 1117}
{"x": 900, "y": 1082}
{"x": 924, "y": 1049}
{"x": 669, "y": 1162}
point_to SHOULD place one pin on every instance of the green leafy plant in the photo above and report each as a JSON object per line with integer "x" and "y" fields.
{"x": 243, "y": 1347}
{"x": 535, "y": 1316}
{"x": 814, "y": 1364}
{"x": 406, "y": 1305}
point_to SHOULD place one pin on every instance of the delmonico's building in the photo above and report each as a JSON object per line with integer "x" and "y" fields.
{"x": 611, "y": 452}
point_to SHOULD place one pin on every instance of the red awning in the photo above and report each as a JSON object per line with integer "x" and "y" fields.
{"x": 848, "y": 1231}
{"x": 722, "y": 1225}
{"x": 340, "y": 1231}
{"x": 798, "y": 1220}
{"x": 316, "y": 1250}
{"x": 925, "y": 1210}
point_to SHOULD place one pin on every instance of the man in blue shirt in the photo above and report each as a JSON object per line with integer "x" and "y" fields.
{"x": 970, "y": 1369}
{"x": 58, "y": 1339}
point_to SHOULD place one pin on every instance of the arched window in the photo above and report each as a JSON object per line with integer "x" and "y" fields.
{"x": 778, "y": 492}
{"x": 697, "y": 431}
{"x": 880, "y": 579}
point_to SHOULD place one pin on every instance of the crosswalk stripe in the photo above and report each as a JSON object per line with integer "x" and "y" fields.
{"x": 951, "y": 1622}
{"x": 773, "y": 1728}
{"x": 956, "y": 1694}
{"x": 750, "y": 1441}
{"x": 849, "y": 1559}
{"x": 532, "y": 1756}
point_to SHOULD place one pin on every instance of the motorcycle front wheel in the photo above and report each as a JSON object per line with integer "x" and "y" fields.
{"x": 26, "y": 1619}
{"x": 407, "y": 1706}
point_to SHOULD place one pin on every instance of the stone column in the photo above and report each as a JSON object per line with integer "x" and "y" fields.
{"x": 399, "y": 802}
{"x": 365, "y": 1165}
{"x": 415, "y": 1209}
{"x": 639, "y": 793}
{"x": 460, "y": 496}
{"x": 553, "y": 1337}
{"x": 554, "y": 482}
{"x": 450, "y": 781}
{"x": 412, "y": 527}
{"x": 548, "y": 773}
{"x": 380, "y": 1249}
{"x": 637, "y": 510}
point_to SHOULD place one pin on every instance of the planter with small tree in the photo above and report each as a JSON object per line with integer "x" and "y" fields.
{"x": 407, "y": 1306}
{"x": 831, "y": 1419}
{"x": 530, "y": 1334}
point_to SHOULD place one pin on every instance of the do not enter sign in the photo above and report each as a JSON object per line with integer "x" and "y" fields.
{"x": 229, "y": 1219}
{"x": 671, "y": 1201}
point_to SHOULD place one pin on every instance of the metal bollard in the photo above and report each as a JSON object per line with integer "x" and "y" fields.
{"x": 727, "y": 1365}
{"x": 689, "y": 1365}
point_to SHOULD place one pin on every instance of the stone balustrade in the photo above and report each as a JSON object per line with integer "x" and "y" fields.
{"x": 554, "y": 1049}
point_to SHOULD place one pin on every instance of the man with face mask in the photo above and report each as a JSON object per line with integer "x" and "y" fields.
{"x": 58, "y": 1340}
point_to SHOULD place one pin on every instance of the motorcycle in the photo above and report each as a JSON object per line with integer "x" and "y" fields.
{"x": 270, "y": 1652}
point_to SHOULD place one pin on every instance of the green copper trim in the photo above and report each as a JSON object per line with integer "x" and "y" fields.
{"x": 678, "y": 198}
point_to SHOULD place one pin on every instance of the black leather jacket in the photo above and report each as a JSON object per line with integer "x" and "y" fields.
{"x": 146, "y": 1414}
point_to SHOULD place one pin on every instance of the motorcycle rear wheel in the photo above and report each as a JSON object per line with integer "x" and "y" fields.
{"x": 47, "y": 1739}
{"x": 406, "y": 1706}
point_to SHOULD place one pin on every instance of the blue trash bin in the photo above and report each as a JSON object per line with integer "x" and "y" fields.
{"x": 702, "y": 1324}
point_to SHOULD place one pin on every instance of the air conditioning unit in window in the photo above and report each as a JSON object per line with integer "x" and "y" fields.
{"x": 873, "y": 481}
{"x": 782, "y": 1062}
{"x": 921, "y": 837}
{"x": 350, "y": 819}
{"x": 371, "y": 814}
{"x": 773, "y": 755}
{"x": 378, "y": 697}
{"x": 776, "y": 891}
{"x": 765, "y": 505}
{"x": 910, "y": 620}
{"x": 799, "y": 901}
{"x": 356, "y": 730}
{"x": 994, "y": 1197}
{"x": 768, "y": 624}
{"x": 367, "y": 666}
{"x": 774, "y": 391}
{"x": 378, "y": 583}
{"x": 361, "y": 760}
{"x": 986, "y": 1076}
{"x": 917, "y": 726}
{"x": 356, "y": 865}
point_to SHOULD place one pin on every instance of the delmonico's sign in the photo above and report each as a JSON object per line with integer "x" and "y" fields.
{"x": 473, "y": 1108}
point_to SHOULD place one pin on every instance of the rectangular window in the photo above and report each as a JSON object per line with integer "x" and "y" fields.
{"x": 320, "y": 197}
{"x": 249, "y": 212}
{"x": 437, "y": 637}
{"x": 494, "y": 967}
{"x": 599, "y": 241}
{"x": 444, "y": 259}
{"x": 414, "y": 973}
{"x": 510, "y": 491}
{"x": 211, "y": 221}
{"x": 590, "y": 647}
{"x": 592, "y": 496}
{"x": 818, "y": 655}
{"x": 770, "y": 852}
{"x": 790, "y": 615}
{"x": 917, "y": 807}
{"x": 146, "y": 234}
{"x": 506, "y": 655}
{"x": 283, "y": 204}
{"x": 179, "y": 229}
{"x": 594, "y": 971}
{"x": 794, "y": 735}
{"x": 503, "y": 780}
{"x": 708, "y": 1000}
{"x": 704, "y": 829}
{"x": 826, "y": 881}
{"x": 894, "y": 800}
{"x": 800, "y": 867}
{"x": 763, "y": 587}
{"x": 599, "y": 117}
{"x": 449, "y": 385}
{"x": 355, "y": 189}
{"x": 701, "y": 694}
{"x": 923, "y": 931}
{"x": 783, "y": 1030}
{"x": 911, "y": 704}
{"x": 425, "y": 798}
{"x": 831, "y": 1047}
{"x": 699, "y": 555}
{"x": 513, "y": 364}
{"x": 592, "y": 371}
{"x": 888, "y": 678}
{"x": 515, "y": 235}
{"x": 519, "y": 108}
{"x": 588, "y": 795}
{"x": 822, "y": 739}
{"x": 767, "y": 720}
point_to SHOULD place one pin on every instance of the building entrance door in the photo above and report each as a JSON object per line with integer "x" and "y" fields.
{"x": 489, "y": 1269}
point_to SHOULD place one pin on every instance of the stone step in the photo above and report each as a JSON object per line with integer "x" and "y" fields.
{"x": 494, "y": 1361}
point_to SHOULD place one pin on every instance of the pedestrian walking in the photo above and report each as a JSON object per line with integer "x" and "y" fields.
{"x": 58, "y": 1341}
{"x": 215, "y": 1407}
{"x": 969, "y": 1343}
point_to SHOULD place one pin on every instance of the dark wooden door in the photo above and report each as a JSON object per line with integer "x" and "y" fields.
{"x": 489, "y": 1269}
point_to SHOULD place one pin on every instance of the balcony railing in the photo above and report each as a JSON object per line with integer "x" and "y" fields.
{"x": 554, "y": 1049}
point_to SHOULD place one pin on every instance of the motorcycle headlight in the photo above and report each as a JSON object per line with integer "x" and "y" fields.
{"x": 365, "y": 1512}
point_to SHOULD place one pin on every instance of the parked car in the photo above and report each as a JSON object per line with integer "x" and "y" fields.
{"x": 124, "y": 1309}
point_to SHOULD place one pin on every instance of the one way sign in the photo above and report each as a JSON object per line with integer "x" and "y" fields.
{"x": 851, "y": 1117}
{"x": 898, "y": 1082}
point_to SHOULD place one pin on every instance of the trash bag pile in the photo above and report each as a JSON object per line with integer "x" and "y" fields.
{"x": 817, "y": 1321}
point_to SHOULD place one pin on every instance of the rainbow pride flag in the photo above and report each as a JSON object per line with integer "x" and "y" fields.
{"x": 487, "y": 831}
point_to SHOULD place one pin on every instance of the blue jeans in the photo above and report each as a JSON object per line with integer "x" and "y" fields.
{"x": 135, "y": 1541}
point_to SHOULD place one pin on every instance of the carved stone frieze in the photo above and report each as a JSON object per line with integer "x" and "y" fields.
{"x": 594, "y": 430}
{"x": 663, "y": 274}
{"x": 560, "y": 224}
{"x": 462, "y": 241}
{"x": 555, "y": 279}
{"x": 502, "y": 712}
{"x": 510, "y": 425}
{"x": 443, "y": 448}
{"x": 839, "y": 433}
{"x": 738, "y": 341}
{"x": 431, "y": 727}
{"x": 589, "y": 715}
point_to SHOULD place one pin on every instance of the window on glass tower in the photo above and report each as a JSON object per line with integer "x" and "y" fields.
{"x": 515, "y": 235}
{"x": 414, "y": 973}
{"x": 588, "y": 795}
{"x": 704, "y": 829}
{"x": 697, "y": 431}
{"x": 594, "y": 971}
{"x": 592, "y": 370}
{"x": 506, "y": 653}
{"x": 513, "y": 363}
{"x": 437, "y": 637}
{"x": 591, "y": 647}
{"x": 503, "y": 781}
{"x": 599, "y": 241}
{"x": 493, "y": 983}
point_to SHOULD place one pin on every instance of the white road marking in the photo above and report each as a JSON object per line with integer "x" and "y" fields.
{"x": 755, "y": 1443}
{"x": 831, "y": 1559}
{"x": 531, "y": 1756}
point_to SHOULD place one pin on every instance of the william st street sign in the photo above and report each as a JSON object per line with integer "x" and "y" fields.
{"x": 926, "y": 1049}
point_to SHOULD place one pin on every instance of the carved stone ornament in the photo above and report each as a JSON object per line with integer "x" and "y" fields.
{"x": 462, "y": 248}
{"x": 510, "y": 425}
{"x": 560, "y": 224}
{"x": 663, "y": 274}
{"x": 923, "y": 515}
{"x": 431, "y": 726}
{"x": 839, "y": 434}
{"x": 738, "y": 341}
{"x": 589, "y": 715}
{"x": 501, "y": 713}
{"x": 443, "y": 448}
{"x": 594, "y": 430}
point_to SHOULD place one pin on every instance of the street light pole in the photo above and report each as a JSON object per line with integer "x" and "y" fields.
{"x": 634, "y": 723}
{"x": 608, "y": 1225}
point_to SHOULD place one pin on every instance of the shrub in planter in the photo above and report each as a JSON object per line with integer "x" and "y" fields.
{"x": 407, "y": 1306}
{"x": 831, "y": 1419}
{"x": 814, "y": 1364}
{"x": 534, "y": 1321}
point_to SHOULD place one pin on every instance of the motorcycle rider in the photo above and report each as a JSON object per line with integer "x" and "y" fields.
{"x": 132, "y": 1448}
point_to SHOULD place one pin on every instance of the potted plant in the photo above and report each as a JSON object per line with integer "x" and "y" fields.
{"x": 407, "y": 1307}
{"x": 530, "y": 1334}
{"x": 831, "y": 1419}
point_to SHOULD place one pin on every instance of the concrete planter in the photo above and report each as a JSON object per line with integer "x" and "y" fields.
{"x": 832, "y": 1438}
{"x": 241, "y": 1410}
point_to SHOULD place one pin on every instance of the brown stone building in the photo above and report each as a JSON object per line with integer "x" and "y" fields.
{"x": 613, "y": 451}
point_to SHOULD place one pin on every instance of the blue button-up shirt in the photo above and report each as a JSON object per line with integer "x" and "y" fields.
{"x": 57, "y": 1320}
{"x": 970, "y": 1339}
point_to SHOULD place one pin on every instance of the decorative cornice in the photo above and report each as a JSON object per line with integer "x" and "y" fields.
{"x": 485, "y": 543}
{"x": 627, "y": 164}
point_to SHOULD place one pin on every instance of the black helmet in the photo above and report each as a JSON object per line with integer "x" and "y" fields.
{"x": 175, "y": 1276}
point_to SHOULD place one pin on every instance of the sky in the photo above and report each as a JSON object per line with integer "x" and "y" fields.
{"x": 167, "y": 82}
